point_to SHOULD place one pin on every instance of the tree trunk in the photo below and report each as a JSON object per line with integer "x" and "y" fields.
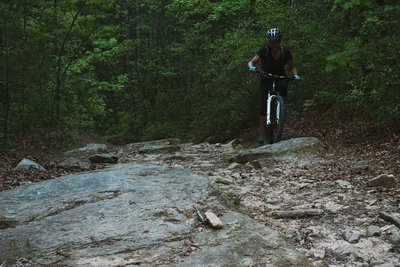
{"x": 60, "y": 54}
{"x": 130, "y": 35}
{"x": 7, "y": 99}
{"x": 56, "y": 52}
{"x": 140, "y": 75}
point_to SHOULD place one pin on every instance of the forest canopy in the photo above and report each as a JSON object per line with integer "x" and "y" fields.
{"x": 136, "y": 70}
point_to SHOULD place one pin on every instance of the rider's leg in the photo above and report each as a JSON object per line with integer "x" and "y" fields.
{"x": 282, "y": 88}
{"x": 264, "y": 83}
{"x": 261, "y": 124}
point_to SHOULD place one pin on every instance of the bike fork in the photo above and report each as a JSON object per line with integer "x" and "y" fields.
{"x": 269, "y": 104}
{"x": 268, "y": 118}
{"x": 277, "y": 111}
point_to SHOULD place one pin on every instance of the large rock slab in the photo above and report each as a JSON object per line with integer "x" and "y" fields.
{"x": 131, "y": 214}
{"x": 294, "y": 146}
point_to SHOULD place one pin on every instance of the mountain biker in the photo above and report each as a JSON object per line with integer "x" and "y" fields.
{"x": 273, "y": 58}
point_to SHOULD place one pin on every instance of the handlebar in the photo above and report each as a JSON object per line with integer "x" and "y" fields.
{"x": 273, "y": 76}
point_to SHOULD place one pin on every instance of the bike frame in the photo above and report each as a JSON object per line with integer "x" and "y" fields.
{"x": 271, "y": 92}
{"x": 274, "y": 120}
{"x": 269, "y": 100}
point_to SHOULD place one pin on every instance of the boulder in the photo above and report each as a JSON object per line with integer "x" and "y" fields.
{"x": 26, "y": 164}
{"x": 103, "y": 158}
{"x": 72, "y": 163}
{"x": 384, "y": 180}
{"x": 89, "y": 148}
{"x": 295, "y": 146}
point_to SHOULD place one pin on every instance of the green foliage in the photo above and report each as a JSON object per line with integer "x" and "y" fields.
{"x": 350, "y": 58}
{"x": 234, "y": 198}
{"x": 160, "y": 130}
{"x": 136, "y": 70}
{"x": 365, "y": 62}
{"x": 322, "y": 99}
{"x": 127, "y": 130}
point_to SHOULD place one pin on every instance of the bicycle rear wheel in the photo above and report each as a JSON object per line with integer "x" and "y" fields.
{"x": 275, "y": 129}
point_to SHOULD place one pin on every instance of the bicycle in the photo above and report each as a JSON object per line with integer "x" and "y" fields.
{"x": 275, "y": 114}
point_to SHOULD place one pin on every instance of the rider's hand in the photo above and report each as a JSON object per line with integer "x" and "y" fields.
{"x": 297, "y": 77}
{"x": 252, "y": 68}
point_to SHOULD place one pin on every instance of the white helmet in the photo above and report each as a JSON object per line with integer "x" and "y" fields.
{"x": 274, "y": 33}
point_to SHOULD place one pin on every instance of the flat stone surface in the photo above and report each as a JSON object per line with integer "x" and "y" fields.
{"x": 131, "y": 214}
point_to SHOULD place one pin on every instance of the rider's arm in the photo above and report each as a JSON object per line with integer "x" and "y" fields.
{"x": 254, "y": 60}
{"x": 292, "y": 67}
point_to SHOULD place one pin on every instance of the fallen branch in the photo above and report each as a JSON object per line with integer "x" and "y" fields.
{"x": 390, "y": 218}
{"x": 292, "y": 214}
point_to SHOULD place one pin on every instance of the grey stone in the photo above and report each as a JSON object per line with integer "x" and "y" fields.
{"x": 352, "y": 236}
{"x": 72, "y": 163}
{"x": 295, "y": 146}
{"x": 319, "y": 253}
{"x": 236, "y": 176}
{"x": 344, "y": 184}
{"x": 156, "y": 146}
{"x": 383, "y": 180}
{"x": 345, "y": 249}
{"x": 374, "y": 230}
{"x": 103, "y": 158}
{"x": 222, "y": 180}
{"x": 26, "y": 164}
{"x": 233, "y": 166}
{"x": 360, "y": 256}
{"x": 90, "y": 148}
{"x": 395, "y": 239}
{"x": 213, "y": 220}
{"x": 120, "y": 217}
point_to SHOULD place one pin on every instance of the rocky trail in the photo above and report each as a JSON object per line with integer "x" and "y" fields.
{"x": 339, "y": 206}
{"x": 345, "y": 228}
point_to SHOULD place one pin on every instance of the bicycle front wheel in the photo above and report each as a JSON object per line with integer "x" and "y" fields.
{"x": 275, "y": 129}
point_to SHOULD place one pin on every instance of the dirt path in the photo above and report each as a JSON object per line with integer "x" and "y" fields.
{"x": 348, "y": 232}
{"x": 346, "y": 229}
{"x": 337, "y": 186}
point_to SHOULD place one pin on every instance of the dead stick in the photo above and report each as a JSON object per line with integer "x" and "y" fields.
{"x": 390, "y": 218}
{"x": 297, "y": 213}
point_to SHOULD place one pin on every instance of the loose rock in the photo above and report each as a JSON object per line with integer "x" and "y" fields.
{"x": 384, "y": 180}
{"x": 222, "y": 180}
{"x": 213, "y": 220}
{"x": 103, "y": 158}
{"x": 345, "y": 249}
{"x": 72, "y": 163}
{"x": 374, "y": 230}
{"x": 27, "y": 164}
{"x": 352, "y": 236}
{"x": 90, "y": 148}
